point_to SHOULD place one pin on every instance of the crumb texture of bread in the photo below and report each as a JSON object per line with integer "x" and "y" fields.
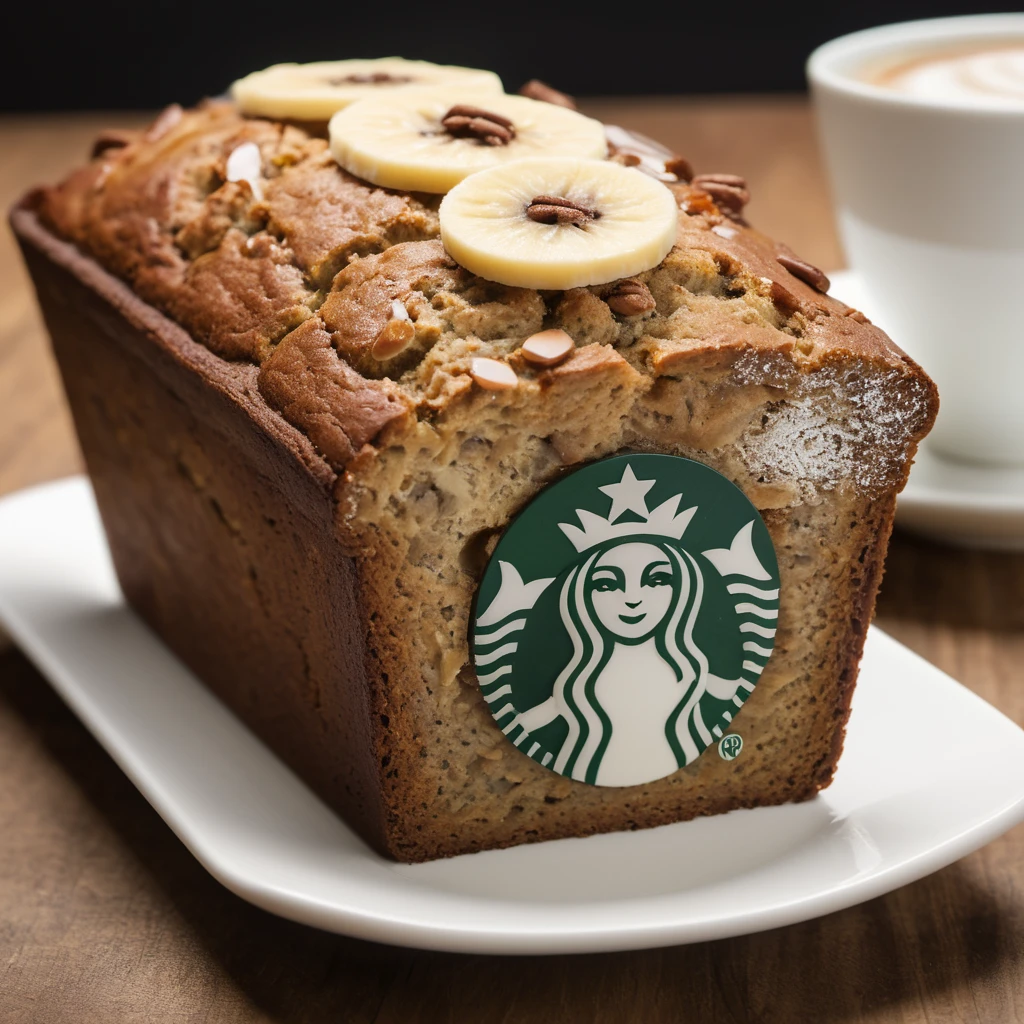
{"x": 289, "y": 282}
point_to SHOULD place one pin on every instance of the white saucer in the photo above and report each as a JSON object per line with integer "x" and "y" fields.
{"x": 930, "y": 773}
{"x": 954, "y": 502}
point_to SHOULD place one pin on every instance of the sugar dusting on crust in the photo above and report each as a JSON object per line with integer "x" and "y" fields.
{"x": 840, "y": 425}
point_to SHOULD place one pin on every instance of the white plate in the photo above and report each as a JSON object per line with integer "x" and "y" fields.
{"x": 930, "y": 773}
{"x": 947, "y": 500}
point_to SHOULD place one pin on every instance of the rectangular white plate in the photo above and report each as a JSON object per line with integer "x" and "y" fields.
{"x": 930, "y": 773}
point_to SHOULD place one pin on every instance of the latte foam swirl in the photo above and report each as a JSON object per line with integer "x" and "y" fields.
{"x": 985, "y": 78}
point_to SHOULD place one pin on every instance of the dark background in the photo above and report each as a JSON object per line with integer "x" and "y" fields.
{"x": 129, "y": 53}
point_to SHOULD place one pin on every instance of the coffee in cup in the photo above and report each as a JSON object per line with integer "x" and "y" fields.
{"x": 922, "y": 127}
{"x": 975, "y": 74}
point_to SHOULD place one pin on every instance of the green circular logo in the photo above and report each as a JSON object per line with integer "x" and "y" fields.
{"x": 625, "y": 617}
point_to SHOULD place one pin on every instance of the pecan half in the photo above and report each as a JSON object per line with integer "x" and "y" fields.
{"x": 630, "y": 298}
{"x": 729, "y": 191}
{"x": 807, "y": 272}
{"x": 465, "y": 122}
{"x": 556, "y": 210}
{"x": 371, "y": 78}
{"x": 535, "y": 89}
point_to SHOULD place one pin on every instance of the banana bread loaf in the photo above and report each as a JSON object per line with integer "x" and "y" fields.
{"x": 307, "y": 427}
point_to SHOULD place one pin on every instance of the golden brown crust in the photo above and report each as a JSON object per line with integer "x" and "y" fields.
{"x": 240, "y": 265}
{"x": 324, "y": 397}
{"x": 220, "y": 520}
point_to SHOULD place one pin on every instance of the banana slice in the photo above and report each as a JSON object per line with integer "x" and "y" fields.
{"x": 313, "y": 92}
{"x": 428, "y": 141}
{"x": 558, "y": 223}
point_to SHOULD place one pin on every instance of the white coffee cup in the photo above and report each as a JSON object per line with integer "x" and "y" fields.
{"x": 929, "y": 192}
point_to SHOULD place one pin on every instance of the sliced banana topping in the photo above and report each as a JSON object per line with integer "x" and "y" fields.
{"x": 428, "y": 141}
{"x": 558, "y": 223}
{"x": 313, "y": 92}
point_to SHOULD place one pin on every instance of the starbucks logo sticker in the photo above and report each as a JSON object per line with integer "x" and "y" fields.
{"x": 625, "y": 617}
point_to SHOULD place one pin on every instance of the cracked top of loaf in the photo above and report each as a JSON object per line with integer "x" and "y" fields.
{"x": 300, "y": 274}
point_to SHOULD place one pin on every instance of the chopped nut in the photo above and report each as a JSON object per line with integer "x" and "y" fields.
{"x": 394, "y": 338}
{"x": 784, "y": 300}
{"x": 396, "y": 335}
{"x": 725, "y": 231}
{"x": 112, "y": 138}
{"x": 806, "y": 272}
{"x": 729, "y": 191}
{"x": 630, "y": 298}
{"x": 492, "y": 374}
{"x": 556, "y": 210}
{"x": 698, "y": 203}
{"x": 547, "y": 348}
{"x": 535, "y": 89}
{"x": 246, "y": 164}
{"x": 465, "y": 122}
{"x": 680, "y": 167}
{"x": 635, "y": 150}
{"x": 856, "y": 314}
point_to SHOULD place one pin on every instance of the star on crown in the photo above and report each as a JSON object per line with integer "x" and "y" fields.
{"x": 629, "y": 494}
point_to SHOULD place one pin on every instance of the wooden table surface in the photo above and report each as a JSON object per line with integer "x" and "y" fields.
{"x": 104, "y": 916}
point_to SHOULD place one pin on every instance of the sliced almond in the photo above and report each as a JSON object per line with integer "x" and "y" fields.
{"x": 246, "y": 164}
{"x": 547, "y": 348}
{"x": 493, "y": 375}
{"x": 396, "y": 335}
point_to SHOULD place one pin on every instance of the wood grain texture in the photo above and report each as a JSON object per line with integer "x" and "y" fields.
{"x": 104, "y": 916}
